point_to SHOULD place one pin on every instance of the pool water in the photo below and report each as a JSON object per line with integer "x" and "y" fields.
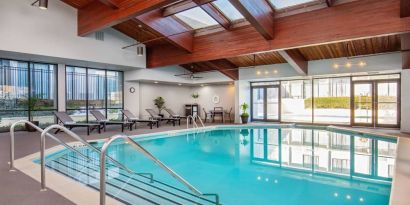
{"x": 257, "y": 166}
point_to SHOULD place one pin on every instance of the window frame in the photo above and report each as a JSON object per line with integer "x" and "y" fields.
{"x": 87, "y": 91}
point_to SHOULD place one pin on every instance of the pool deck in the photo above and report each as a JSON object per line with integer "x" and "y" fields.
{"x": 23, "y": 189}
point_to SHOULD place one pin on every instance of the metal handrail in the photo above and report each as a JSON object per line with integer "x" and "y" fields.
{"x": 142, "y": 150}
{"x": 12, "y": 129}
{"x": 194, "y": 125}
{"x": 200, "y": 120}
{"x": 75, "y": 136}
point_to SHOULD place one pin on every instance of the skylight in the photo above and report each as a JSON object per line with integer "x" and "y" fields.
{"x": 196, "y": 18}
{"x": 228, "y": 10}
{"x": 280, "y": 4}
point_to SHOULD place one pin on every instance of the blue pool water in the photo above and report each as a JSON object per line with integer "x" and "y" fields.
{"x": 257, "y": 166}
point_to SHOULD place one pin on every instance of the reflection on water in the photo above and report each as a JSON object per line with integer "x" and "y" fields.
{"x": 320, "y": 151}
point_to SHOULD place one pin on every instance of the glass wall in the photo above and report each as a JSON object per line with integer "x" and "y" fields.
{"x": 331, "y": 100}
{"x": 296, "y": 102}
{"x": 27, "y": 92}
{"x": 93, "y": 89}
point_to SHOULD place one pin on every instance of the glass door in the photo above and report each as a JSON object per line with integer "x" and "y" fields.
{"x": 272, "y": 100}
{"x": 387, "y": 103}
{"x": 363, "y": 103}
{"x": 265, "y": 103}
{"x": 376, "y": 103}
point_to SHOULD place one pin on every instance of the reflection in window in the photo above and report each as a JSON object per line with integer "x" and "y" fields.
{"x": 258, "y": 143}
{"x": 296, "y": 101}
{"x": 297, "y": 147}
{"x": 387, "y": 101}
{"x": 385, "y": 159}
{"x": 363, "y": 155}
{"x": 196, "y": 18}
{"x": 273, "y": 144}
{"x": 228, "y": 10}
{"x": 332, "y": 100}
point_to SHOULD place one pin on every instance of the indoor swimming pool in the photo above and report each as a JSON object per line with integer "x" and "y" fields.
{"x": 244, "y": 166}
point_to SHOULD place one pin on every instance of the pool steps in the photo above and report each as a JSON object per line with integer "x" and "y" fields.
{"x": 125, "y": 187}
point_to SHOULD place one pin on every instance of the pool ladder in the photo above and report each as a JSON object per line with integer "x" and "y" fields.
{"x": 194, "y": 124}
{"x": 103, "y": 157}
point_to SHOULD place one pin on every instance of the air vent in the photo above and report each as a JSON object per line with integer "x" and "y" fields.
{"x": 99, "y": 35}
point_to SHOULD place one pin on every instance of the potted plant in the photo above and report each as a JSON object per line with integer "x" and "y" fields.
{"x": 159, "y": 102}
{"x": 245, "y": 114}
{"x": 31, "y": 104}
{"x": 195, "y": 96}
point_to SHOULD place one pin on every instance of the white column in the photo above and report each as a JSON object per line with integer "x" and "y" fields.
{"x": 405, "y": 98}
{"x": 61, "y": 87}
{"x": 242, "y": 95}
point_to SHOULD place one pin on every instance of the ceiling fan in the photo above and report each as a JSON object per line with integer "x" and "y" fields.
{"x": 191, "y": 76}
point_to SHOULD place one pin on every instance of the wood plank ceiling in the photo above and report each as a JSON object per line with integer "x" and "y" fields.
{"x": 154, "y": 24}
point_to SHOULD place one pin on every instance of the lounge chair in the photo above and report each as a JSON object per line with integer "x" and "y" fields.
{"x": 133, "y": 119}
{"x": 68, "y": 122}
{"x": 229, "y": 114}
{"x": 207, "y": 114}
{"x": 156, "y": 116}
{"x": 173, "y": 114}
{"x": 104, "y": 121}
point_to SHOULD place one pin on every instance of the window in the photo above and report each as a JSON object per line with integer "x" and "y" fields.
{"x": 93, "y": 89}
{"x": 296, "y": 102}
{"x": 331, "y": 100}
{"x": 27, "y": 92}
{"x": 228, "y": 10}
{"x": 196, "y": 18}
{"x": 281, "y": 4}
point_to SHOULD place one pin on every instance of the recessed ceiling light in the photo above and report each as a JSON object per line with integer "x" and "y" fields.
{"x": 179, "y": 84}
{"x": 266, "y": 72}
{"x": 348, "y": 65}
{"x": 156, "y": 82}
{"x": 258, "y": 72}
{"x": 362, "y": 63}
{"x": 275, "y": 71}
{"x": 335, "y": 66}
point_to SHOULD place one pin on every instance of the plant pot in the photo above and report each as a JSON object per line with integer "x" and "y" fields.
{"x": 244, "y": 119}
{"x": 30, "y": 128}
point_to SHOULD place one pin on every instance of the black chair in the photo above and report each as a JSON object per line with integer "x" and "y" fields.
{"x": 156, "y": 116}
{"x": 134, "y": 120}
{"x": 104, "y": 121}
{"x": 68, "y": 122}
{"x": 207, "y": 114}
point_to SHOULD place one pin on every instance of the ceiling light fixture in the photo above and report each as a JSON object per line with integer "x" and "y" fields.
{"x": 275, "y": 71}
{"x": 42, "y": 4}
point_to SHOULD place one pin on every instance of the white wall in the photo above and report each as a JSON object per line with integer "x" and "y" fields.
{"x": 242, "y": 90}
{"x": 177, "y": 96}
{"x": 405, "y": 99}
{"x": 53, "y": 33}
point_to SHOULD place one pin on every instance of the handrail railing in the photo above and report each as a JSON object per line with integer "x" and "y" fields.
{"x": 12, "y": 129}
{"x": 200, "y": 120}
{"x": 75, "y": 136}
{"x": 145, "y": 152}
{"x": 194, "y": 125}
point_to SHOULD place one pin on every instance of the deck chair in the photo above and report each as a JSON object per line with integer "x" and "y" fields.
{"x": 104, "y": 121}
{"x": 156, "y": 116}
{"x": 173, "y": 114}
{"x": 68, "y": 122}
{"x": 133, "y": 119}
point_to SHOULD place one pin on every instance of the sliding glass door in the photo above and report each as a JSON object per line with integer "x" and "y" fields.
{"x": 376, "y": 103}
{"x": 265, "y": 103}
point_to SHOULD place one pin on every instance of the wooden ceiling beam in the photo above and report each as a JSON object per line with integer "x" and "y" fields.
{"x": 109, "y": 3}
{"x": 405, "y": 47}
{"x": 259, "y": 14}
{"x": 324, "y": 26}
{"x": 183, "y": 6}
{"x": 296, "y": 60}
{"x": 96, "y": 15}
{"x": 330, "y": 3}
{"x": 216, "y": 15}
{"x": 225, "y": 67}
{"x": 173, "y": 31}
{"x": 404, "y": 8}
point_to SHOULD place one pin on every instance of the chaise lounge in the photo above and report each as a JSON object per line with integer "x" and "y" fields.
{"x": 133, "y": 119}
{"x": 104, "y": 121}
{"x": 156, "y": 116}
{"x": 68, "y": 122}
